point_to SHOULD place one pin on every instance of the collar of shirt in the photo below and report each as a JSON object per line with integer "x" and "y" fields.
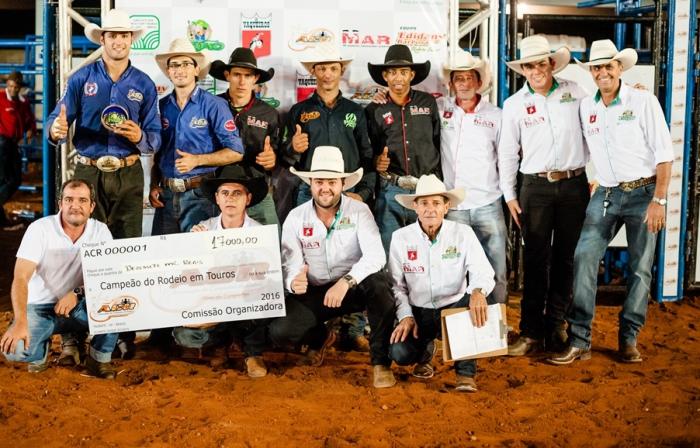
{"x": 597, "y": 97}
{"x": 319, "y": 101}
{"x": 476, "y": 109}
{"x": 555, "y": 86}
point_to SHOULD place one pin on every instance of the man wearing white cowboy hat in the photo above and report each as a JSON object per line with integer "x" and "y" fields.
{"x": 540, "y": 121}
{"x": 257, "y": 121}
{"x": 429, "y": 262}
{"x": 631, "y": 149}
{"x": 109, "y": 156}
{"x": 235, "y": 189}
{"x": 405, "y": 135}
{"x": 332, "y": 261}
{"x": 468, "y": 151}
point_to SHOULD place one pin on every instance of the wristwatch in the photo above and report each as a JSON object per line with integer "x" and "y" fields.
{"x": 79, "y": 292}
{"x": 351, "y": 281}
{"x": 660, "y": 201}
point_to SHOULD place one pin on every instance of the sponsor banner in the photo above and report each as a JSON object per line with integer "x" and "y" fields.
{"x": 183, "y": 279}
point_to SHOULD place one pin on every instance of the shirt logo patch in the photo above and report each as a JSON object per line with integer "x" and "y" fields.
{"x": 198, "y": 123}
{"x": 388, "y": 118}
{"x": 529, "y": 122}
{"x": 409, "y": 268}
{"x": 230, "y": 125}
{"x": 590, "y": 131}
{"x": 531, "y": 109}
{"x": 415, "y": 110}
{"x": 627, "y": 115}
{"x": 566, "y": 97}
{"x": 345, "y": 223}
{"x": 447, "y": 113}
{"x": 484, "y": 123}
{"x": 307, "y": 230}
{"x": 252, "y": 121}
{"x": 308, "y": 116}
{"x": 412, "y": 253}
{"x": 450, "y": 252}
{"x": 310, "y": 244}
{"x": 165, "y": 123}
{"x": 134, "y": 95}
{"x": 90, "y": 88}
{"x": 350, "y": 121}
{"x": 592, "y": 118}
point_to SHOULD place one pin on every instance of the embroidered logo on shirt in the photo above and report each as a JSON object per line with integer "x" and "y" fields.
{"x": 308, "y": 116}
{"x": 344, "y": 223}
{"x": 409, "y": 268}
{"x": 307, "y": 230}
{"x": 415, "y": 110}
{"x": 230, "y": 125}
{"x": 592, "y": 118}
{"x": 627, "y": 115}
{"x": 134, "y": 95}
{"x": 484, "y": 123}
{"x": 90, "y": 88}
{"x": 590, "y": 131}
{"x": 412, "y": 253}
{"x": 447, "y": 113}
{"x": 198, "y": 122}
{"x": 388, "y": 118}
{"x": 252, "y": 121}
{"x": 165, "y": 123}
{"x": 566, "y": 97}
{"x": 350, "y": 121}
{"x": 531, "y": 109}
{"x": 529, "y": 122}
{"x": 310, "y": 244}
{"x": 450, "y": 252}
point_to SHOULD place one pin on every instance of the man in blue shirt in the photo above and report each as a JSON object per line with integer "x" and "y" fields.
{"x": 199, "y": 134}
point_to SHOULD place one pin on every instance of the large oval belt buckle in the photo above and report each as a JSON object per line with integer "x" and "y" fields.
{"x": 108, "y": 164}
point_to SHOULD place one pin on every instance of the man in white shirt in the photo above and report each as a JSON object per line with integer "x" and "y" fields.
{"x": 235, "y": 189}
{"x": 541, "y": 122}
{"x": 631, "y": 150}
{"x": 47, "y": 289}
{"x": 332, "y": 260}
{"x": 468, "y": 151}
{"x": 429, "y": 262}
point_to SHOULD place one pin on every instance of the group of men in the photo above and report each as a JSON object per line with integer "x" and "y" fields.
{"x": 428, "y": 246}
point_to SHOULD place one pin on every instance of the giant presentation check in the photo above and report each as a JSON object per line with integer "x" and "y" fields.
{"x": 183, "y": 279}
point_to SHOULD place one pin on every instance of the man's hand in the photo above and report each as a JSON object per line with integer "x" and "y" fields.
{"x": 478, "y": 308}
{"x": 130, "y": 130}
{"x": 198, "y": 228}
{"x": 403, "y": 329}
{"x": 154, "y": 197}
{"x": 515, "y": 211}
{"x": 382, "y": 162}
{"x": 335, "y": 295}
{"x": 300, "y": 141}
{"x": 186, "y": 163}
{"x": 59, "y": 127}
{"x": 355, "y": 196}
{"x": 380, "y": 97}
{"x": 66, "y": 304}
{"x": 18, "y": 331}
{"x": 267, "y": 157}
{"x": 300, "y": 282}
{"x": 655, "y": 217}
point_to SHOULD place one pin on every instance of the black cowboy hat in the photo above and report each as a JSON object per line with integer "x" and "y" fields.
{"x": 399, "y": 56}
{"x": 244, "y": 58}
{"x": 250, "y": 178}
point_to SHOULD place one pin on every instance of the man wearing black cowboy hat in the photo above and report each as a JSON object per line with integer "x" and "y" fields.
{"x": 234, "y": 189}
{"x": 405, "y": 135}
{"x": 257, "y": 122}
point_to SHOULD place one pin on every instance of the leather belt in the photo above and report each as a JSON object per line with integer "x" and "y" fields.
{"x": 405, "y": 182}
{"x": 109, "y": 164}
{"x": 181, "y": 185}
{"x": 556, "y": 176}
{"x": 634, "y": 184}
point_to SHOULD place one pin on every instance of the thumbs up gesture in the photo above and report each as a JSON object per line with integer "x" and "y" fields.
{"x": 382, "y": 163}
{"x": 59, "y": 127}
{"x": 300, "y": 140}
{"x": 300, "y": 282}
{"x": 267, "y": 157}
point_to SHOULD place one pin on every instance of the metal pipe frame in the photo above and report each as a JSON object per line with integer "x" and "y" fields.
{"x": 48, "y": 180}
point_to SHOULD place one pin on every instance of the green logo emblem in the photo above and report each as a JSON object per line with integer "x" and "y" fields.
{"x": 350, "y": 121}
{"x": 150, "y": 39}
{"x": 199, "y": 33}
{"x": 271, "y": 101}
{"x": 627, "y": 115}
{"x": 450, "y": 252}
{"x": 566, "y": 97}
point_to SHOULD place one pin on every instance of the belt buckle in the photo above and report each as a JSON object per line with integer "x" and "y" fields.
{"x": 177, "y": 185}
{"x": 108, "y": 164}
{"x": 627, "y": 186}
{"x": 407, "y": 182}
{"x": 550, "y": 178}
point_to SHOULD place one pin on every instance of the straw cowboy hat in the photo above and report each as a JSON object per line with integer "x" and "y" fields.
{"x": 117, "y": 21}
{"x": 399, "y": 56}
{"x": 431, "y": 186}
{"x": 323, "y": 53}
{"x": 536, "y": 48}
{"x": 604, "y": 51}
{"x": 464, "y": 62}
{"x": 327, "y": 163}
{"x": 183, "y": 47}
{"x": 253, "y": 181}
{"x": 243, "y": 58}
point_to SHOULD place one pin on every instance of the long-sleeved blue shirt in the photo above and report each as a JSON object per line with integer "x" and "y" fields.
{"x": 90, "y": 90}
{"x": 203, "y": 126}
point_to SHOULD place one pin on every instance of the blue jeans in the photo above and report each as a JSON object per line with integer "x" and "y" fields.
{"x": 389, "y": 214}
{"x": 251, "y": 332}
{"x": 490, "y": 228}
{"x": 181, "y": 211}
{"x": 420, "y": 350}
{"x": 628, "y": 208}
{"x": 43, "y": 323}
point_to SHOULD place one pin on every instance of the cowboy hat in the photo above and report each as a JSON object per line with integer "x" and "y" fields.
{"x": 243, "y": 58}
{"x": 117, "y": 21}
{"x": 399, "y": 56}
{"x": 464, "y": 62}
{"x": 183, "y": 47}
{"x": 604, "y": 51}
{"x": 323, "y": 53}
{"x": 431, "y": 186}
{"x": 251, "y": 179}
{"x": 327, "y": 163}
{"x": 536, "y": 48}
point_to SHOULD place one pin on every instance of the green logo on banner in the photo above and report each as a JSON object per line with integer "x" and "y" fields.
{"x": 150, "y": 39}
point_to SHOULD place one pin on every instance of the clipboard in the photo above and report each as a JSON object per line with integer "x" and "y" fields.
{"x": 447, "y": 355}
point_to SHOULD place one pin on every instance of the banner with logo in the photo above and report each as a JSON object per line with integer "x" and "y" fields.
{"x": 281, "y": 32}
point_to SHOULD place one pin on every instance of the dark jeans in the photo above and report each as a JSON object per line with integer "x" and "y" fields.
{"x": 552, "y": 217}
{"x": 306, "y": 311}
{"x": 420, "y": 350}
{"x": 10, "y": 172}
{"x": 250, "y": 332}
{"x": 119, "y": 198}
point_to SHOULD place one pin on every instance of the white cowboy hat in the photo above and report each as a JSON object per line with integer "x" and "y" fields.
{"x": 431, "y": 186}
{"x": 536, "y": 48}
{"x": 604, "y": 51}
{"x": 116, "y": 20}
{"x": 327, "y": 163}
{"x": 322, "y": 53}
{"x": 464, "y": 62}
{"x": 183, "y": 47}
